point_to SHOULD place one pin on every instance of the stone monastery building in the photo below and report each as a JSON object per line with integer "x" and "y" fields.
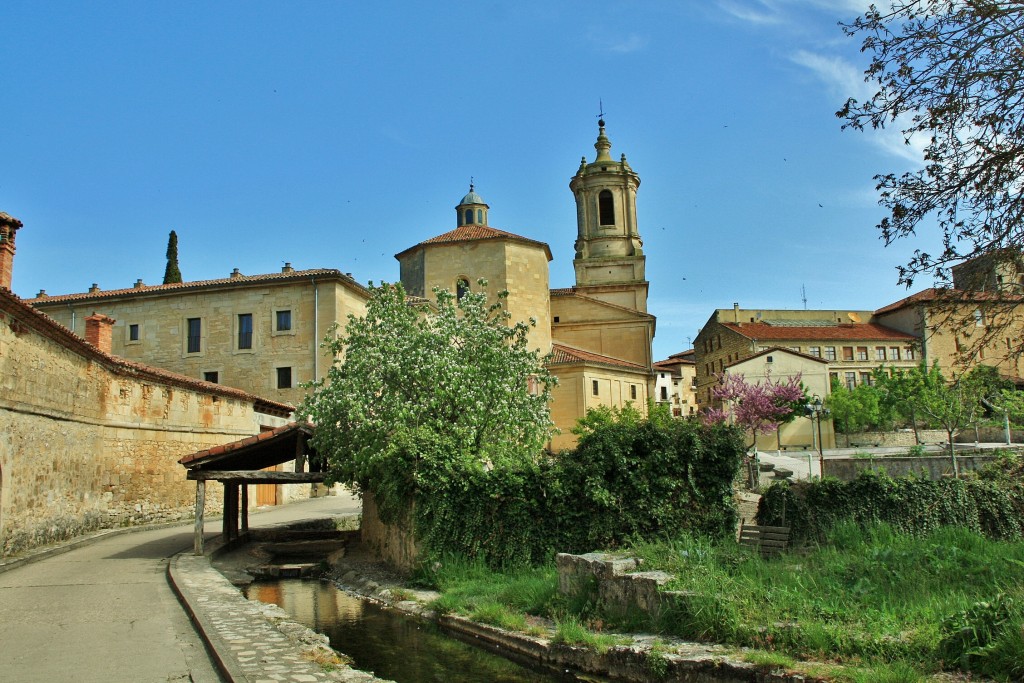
{"x": 262, "y": 333}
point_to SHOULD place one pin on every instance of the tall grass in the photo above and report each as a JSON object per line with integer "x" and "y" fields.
{"x": 883, "y": 605}
{"x": 951, "y": 598}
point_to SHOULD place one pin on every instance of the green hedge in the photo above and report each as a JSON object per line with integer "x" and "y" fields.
{"x": 626, "y": 480}
{"x": 910, "y": 504}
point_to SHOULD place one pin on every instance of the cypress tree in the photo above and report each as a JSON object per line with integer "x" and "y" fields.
{"x": 172, "y": 273}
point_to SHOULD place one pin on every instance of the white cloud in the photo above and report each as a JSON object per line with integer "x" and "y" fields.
{"x": 630, "y": 43}
{"x": 843, "y": 80}
{"x": 758, "y": 12}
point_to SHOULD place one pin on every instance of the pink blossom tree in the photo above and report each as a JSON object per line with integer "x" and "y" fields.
{"x": 761, "y": 407}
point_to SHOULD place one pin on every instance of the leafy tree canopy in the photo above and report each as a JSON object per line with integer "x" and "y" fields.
{"x": 949, "y": 72}
{"x": 419, "y": 394}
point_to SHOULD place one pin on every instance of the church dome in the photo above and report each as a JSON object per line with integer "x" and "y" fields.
{"x": 472, "y": 198}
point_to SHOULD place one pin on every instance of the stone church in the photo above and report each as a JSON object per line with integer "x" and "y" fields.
{"x": 261, "y": 333}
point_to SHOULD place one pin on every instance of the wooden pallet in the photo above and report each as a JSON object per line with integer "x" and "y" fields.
{"x": 768, "y": 540}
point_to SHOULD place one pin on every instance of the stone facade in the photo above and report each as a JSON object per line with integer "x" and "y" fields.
{"x": 852, "y": 344}
{"x": 776, "y": 363}
{"x": 258, "y": 333}
{"x": 961, "y": 330}
{"x": 88, "y": 440}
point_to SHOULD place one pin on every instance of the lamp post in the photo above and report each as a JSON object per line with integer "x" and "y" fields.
{"x": 816, "y": 411}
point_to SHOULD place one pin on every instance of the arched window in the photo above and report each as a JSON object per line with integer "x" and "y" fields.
{"x": 461, "y": 288}
{"x": 479, "y": 215}
{"x": 606, "y": 208}
{"x": 469, "y": 216}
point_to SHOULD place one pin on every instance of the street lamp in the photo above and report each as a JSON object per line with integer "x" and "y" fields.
{"x": 816, "y": 411}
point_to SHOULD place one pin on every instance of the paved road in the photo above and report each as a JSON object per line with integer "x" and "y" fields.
{"x": 105, "y": 612}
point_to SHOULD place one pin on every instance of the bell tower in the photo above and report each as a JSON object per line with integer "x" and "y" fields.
{"x": 610, "y": 262}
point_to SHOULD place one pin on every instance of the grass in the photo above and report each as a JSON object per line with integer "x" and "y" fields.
{"x": 871, "y": 596}
{"x": 876, "y": 606}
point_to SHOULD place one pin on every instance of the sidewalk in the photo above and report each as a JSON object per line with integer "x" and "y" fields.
{"x": 103, "y": 610}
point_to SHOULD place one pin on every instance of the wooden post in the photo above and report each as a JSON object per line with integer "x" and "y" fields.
{"x": 245, "y": 507}
{"x": 225, "y": 523}
{"x": 200, "y": 506}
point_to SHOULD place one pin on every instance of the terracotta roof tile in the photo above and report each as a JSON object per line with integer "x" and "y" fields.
{"x": 567, "y": 355}
{"x": 196, "y": 459}
{"x": 240, "y": 280}
{"x": 839, "y": 332}
{"x": 474, "y": 233}
{"x": 947, "y": 296}
{"x": 50, "y": 328}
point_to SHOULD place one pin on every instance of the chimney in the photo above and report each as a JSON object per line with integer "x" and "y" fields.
{"x": 95, "y": 287}
{"x": 139, "y": 284}
{"x": 235, "y": 274}
{"x": 736, "y": 311}
{"x": 287, "y": 268}
{"x": 42, "y": 294}
{"x": 9, "y": 226}
{"x": 99, "y": 330}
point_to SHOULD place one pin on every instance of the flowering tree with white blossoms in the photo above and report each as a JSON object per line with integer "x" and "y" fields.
{"x": 419, "y": 393}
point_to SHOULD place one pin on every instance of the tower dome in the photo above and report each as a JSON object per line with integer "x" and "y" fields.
{"x": 472, "y": 210}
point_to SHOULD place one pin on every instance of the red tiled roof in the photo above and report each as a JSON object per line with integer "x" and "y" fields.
{"x": 840, "y": 332}
{"x": 567, "y": 355}
{"x": 50, "y": 328}
{"x": 240, "y": 280}
{"x": 563, "y": 291}
{"x": 948, "y": 296}
{"x": 195, "y": 459}
{"x": 474, "y": 233}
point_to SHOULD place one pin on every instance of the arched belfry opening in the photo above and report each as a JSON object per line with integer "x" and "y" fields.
{"x": 606, "y": 208}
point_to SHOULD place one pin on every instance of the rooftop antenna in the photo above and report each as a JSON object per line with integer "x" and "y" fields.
{"x": 803, "y": 295}
{"x": 689, "y": 342}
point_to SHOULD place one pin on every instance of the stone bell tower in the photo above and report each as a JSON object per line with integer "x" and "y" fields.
{"x": 610, "y": 262}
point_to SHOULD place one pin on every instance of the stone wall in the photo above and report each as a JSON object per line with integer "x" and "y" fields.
{"x": 391, "y": 544}
{"x": 932, "y": 467}
{"x": 903, "y": 438}
{"x": 89, "y": 441}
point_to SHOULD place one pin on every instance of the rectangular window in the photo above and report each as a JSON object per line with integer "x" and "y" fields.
{"x": 865, "y": 378}
{"x": 284, "y": 321}
{"x": 879, "y": 353}
{"x": 632, "y": 391}
{"x": 211, "y": 376}
{"x": 664, "y": 394}
{"x": 862, "y": 353}
{"x": 133, "y": 333}
{"x": 594, "y": 387}
{"x": 851, "y": 380}
{"x": 815, "y": 351}
{"x": 894, "y": 353}
{"x": 847, "y": 353}
{"x": 833, "y": 378}
{"x": 910, "y": 352}
{"x": 195, "y": 330}
{"x": 284, "y": 378}
{"x": 830, "y": 353}
{"x": 245, "y": 330}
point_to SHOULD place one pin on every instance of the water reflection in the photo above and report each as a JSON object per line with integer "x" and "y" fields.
{"x": 388, "y": 644}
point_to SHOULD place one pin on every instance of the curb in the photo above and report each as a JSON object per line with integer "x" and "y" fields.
{"x": 227, "y": 666}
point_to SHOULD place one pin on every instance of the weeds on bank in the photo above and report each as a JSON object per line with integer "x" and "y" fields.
{"x": 952, "y": 599}
{"x": 881, "y": 606}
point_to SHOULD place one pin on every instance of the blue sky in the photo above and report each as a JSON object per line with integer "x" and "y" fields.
{"x": 336, "y": 134}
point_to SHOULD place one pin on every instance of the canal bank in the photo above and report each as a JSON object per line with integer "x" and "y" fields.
{"x": 252, "y": 641}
